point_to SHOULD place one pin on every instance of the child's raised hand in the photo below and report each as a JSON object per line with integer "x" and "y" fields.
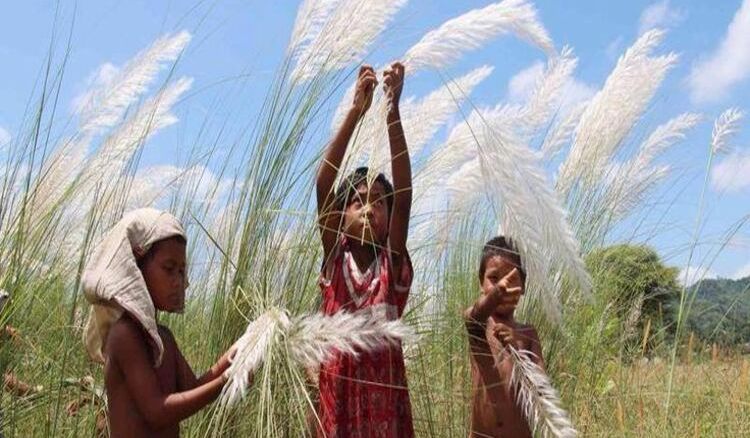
{"x": 366, "y": 82}
{"x": 512, "y": 281}
{"x": 393, "y": 83}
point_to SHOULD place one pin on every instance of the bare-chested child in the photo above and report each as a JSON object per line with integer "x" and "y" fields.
{"x": 491, "y": 327}
{"x": 138, "y": 270}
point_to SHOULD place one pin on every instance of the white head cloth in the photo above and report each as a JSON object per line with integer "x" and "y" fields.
{"x": 113, "y": 284}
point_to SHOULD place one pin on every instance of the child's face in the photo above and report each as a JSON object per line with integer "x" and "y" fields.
{"x": 496, "y": 269}
{"x": 164, "y": 272}
{"x": 366, "y": 216}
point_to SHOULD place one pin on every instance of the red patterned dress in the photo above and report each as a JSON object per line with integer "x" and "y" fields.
{"x": 366, "y": 396}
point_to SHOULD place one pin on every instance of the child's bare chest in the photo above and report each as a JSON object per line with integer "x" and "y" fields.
{"x": 166, "y": 373}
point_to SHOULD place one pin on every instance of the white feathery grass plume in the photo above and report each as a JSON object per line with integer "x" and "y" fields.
{"x": 314, "y": 339}
{"x": 465, "y": 185}
{"x": 548, "y": 91}
{"x": 538, "y": 398}
{"x": 99, "y": 108}
{"x": 561, "y": 132}
{"x": 119, "y": 147}
{"x": 624, "y": 185}
{"x": 531, "y": 214}
{"x": 444, "y": 45}
{"x": 310, "y": 340}
{"x": 461, "y": 189}
{"x": 664, "y": 136}
{"x": 150, "y": 184}
{"x": 345, "y": 37}
{"x": 422, "y": 119}
{"x": 58, "y": 174}
{"x": 252, "y": 348}
{"x": 528, "y": 118}
{"x": 312, "y": 16}
{"x": 724, "y": 128}
{"x": 461, "y": 144}
{"x": 614, "y": 110}
{"x": 104, "y": 106}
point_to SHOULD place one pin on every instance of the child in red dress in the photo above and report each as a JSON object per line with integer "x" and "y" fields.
{"x": 366, "y": 268}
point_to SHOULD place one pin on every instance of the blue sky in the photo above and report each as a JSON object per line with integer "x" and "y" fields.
{"x": 235, "y": 37}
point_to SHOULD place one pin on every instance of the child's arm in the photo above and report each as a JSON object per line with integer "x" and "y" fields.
{"x": 129, "y": 352}
{"x": 328, "y": 217}
{"x": 186, "y": 378}
{"x": 400, "y": 165}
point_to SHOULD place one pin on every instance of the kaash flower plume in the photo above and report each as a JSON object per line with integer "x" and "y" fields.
{"x": 538, "y": 399}
{"x": 346, "y": 36}
{"x": 251, "y": 349}
{"x": 103, "y": 107}
{"x": 313, "y": 339}
{"x": 614, "y": 110}
{"x": 559, "y": 135}
{"x": 724, "y": 129}
{"x": 531, "y": 214}
{"x": 548, "y": 91}
{"x": 100, "y": 108}
{"x": 422, "y": 119}
{"x": 664, "y": 136}
{"x": 152, "y": 116}
{"x": 310, "y": 341}
{"x": 312, "y": 16}
{"x": 444, "y": 45}
{"x": 625, "y": 185}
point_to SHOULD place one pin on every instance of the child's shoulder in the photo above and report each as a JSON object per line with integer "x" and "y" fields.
{"x": 125, "y": 327}
{"x": 167, "y": 337}
{"x": 125, "y": 335}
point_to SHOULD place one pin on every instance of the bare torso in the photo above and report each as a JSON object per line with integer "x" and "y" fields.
{"x": 125, "y": 420}
{"x": 495, "y": 411}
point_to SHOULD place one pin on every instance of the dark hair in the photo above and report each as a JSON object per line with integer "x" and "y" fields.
{"x": 141, "y": 261}
{"x": 347, "y": 190}
{"x": 502, "y": 247}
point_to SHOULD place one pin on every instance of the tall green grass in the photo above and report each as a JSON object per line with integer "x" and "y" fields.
{"x": 256, "y": 246}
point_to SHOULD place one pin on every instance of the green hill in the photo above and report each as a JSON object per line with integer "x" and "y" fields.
{"x": 721, "y": 310}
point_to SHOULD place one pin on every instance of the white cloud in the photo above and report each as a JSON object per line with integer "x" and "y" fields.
{"x": 691, "y": 275}
{"x": 732, "y": 174}
{"x": 4, "y": 137}
{"x": 98, "y": 79}
{"x": 659, "y": 14}
{"x": 711, "y": 78}
{"x": 522, "y": 84}
{"x": 742, "y": 272}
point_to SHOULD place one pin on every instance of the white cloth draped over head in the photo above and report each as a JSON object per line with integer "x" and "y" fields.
{"x": 113, "y": 284}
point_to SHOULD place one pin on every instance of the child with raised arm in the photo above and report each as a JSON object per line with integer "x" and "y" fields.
{"x": 366, "y": 267}
{"x": 137, "y": 270}
{"x": 492, "y": 328}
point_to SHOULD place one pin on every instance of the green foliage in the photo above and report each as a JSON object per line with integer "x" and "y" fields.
{"x": 721, "y": 311}
{"x": 631, "y": 277}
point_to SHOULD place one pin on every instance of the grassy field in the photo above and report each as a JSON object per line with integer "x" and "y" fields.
{"x": 245, "y": 196}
